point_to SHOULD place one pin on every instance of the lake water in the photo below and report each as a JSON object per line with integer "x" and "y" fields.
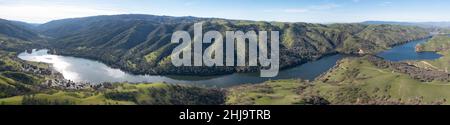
{"x": 408, "y": 52}
{"x": 85, "y": 70}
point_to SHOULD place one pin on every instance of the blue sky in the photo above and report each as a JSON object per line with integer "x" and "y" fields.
{"x": 316, "y": 11}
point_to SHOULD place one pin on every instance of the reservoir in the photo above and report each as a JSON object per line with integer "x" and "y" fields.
{"x": 85, "y": 70}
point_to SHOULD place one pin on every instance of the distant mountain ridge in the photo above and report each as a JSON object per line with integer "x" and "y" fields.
{"x": 421, "y": 24}
{"x": 17, "y": 29}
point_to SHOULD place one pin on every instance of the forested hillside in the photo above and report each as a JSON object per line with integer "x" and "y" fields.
{"x": 17, "y": 30}
{"x": 141, "y": 43}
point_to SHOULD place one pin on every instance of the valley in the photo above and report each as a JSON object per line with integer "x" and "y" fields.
{"x": 94, "y": 60}
{"x": 89, "y": 71}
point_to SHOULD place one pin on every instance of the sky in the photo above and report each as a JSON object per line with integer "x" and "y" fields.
{"x": 314, "y": 11}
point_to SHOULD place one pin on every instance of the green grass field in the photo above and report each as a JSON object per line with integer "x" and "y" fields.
{"x": 375, "y": 82}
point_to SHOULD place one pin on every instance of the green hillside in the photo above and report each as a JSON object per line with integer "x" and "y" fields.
{"x": 124, "y": 94}
{"x": 353, "y": 81}
{"x": 141, "y": 43}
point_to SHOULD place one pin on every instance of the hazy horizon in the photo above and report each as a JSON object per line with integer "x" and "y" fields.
{"x": 311, "y": 11}
{"x": 236, "y": 19}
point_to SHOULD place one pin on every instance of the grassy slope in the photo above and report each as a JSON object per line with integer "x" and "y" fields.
{"x": 85, "y": 97}
{"x": 354, "y": 81}
{"x": 97, "y": 99}
{"x": 377, "y": 82}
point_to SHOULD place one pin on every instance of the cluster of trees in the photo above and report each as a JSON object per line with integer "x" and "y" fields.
{"x": 424, "y": 75}
{"x": 312, "y": 100}
{"x": 21, "y": 77}
{"x": 170, "y": 95}
{"x": 122, "y": 95}
{"x": 8, "y": 90}
{"x": 181, "y": 95}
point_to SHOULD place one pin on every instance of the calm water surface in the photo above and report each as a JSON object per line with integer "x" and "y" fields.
{"x": 408, "y": 52}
